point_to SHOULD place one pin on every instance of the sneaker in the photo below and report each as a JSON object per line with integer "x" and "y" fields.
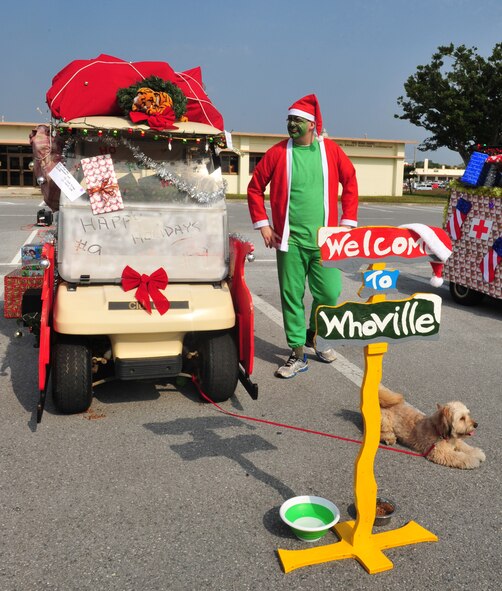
{"x": 326, "y": 356}
{"x": 292, "y": 366}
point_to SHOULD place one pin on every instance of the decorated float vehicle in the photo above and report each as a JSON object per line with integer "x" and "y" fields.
{"x": 474, "y": 222}
{"x": 143, "y": 280}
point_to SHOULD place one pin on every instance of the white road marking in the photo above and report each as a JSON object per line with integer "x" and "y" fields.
{"x": 17, "y": 258}
{"x": 341, "y": 364}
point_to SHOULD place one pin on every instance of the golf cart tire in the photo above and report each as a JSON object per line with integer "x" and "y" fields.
{"x": 218, "y": 370}
{"x": 71, "y": 377}
{"x": 465, "y": 295}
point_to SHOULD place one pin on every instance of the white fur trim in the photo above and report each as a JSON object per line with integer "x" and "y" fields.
{"x": 431, "y": 239}
{"x": 300, "y": 113}
{"x": 325, "y": 173}
{"x": 284, "y": 246}
{"x": 346, "y": 222}
{"x": 436, "y": 281}
{"x": 261, "y": 224}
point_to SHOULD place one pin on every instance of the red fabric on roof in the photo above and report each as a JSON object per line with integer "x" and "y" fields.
{"x": 199, "y": 107}
{"x": 89, "y": 87}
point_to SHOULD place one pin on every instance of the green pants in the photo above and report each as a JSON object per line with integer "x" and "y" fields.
{"x": 325, "y": 284}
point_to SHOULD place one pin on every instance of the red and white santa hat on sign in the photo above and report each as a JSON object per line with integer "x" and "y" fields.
{"x": 438, "y": 244}
{"x": 308, "y": 108}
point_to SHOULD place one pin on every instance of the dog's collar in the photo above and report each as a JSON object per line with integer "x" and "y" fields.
{"x": 440, "y": 436}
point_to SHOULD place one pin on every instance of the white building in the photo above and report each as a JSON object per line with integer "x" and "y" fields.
{"x": 437, "y": 175}
{"x": 379, "y": 164}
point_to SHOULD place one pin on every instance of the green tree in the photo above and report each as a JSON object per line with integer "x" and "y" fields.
{"x": 458, "y": 98}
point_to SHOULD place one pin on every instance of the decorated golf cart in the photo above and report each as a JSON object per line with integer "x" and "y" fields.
{"x": 142, "y": 280}
{"x": 474, "y": 222}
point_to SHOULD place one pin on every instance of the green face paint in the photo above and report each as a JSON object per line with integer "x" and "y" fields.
{"x": 297, "y": 127}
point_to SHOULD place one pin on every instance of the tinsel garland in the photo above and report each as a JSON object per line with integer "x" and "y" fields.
{"x": 482, "y": 191}
{"x": 161, "y": 169}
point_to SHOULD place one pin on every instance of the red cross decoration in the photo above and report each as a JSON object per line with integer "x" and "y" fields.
{"x": 480, "y": 229}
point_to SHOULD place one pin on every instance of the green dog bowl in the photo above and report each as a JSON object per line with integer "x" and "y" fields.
{"x": 309, "y": 517}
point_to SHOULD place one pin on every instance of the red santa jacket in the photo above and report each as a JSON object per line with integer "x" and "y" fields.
{"x": 275, "y": 168}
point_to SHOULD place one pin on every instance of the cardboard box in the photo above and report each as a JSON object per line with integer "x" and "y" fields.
{"x": 14, "y": 287}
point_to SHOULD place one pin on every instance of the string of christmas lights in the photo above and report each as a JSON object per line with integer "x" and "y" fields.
{"x": 157, "y": 136}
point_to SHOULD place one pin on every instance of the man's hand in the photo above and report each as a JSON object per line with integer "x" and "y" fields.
{"x": 270, "y": 238}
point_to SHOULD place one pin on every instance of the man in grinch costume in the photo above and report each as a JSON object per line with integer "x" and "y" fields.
{"x": 304, "y": 173}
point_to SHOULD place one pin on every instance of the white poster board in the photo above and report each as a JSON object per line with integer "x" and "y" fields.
{"x": 190, "y": 243}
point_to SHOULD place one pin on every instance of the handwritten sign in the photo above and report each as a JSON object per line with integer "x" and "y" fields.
{"x": 390, "y": 320}
{"x": 66, "y": 182}
{"x": 190, "y": 243}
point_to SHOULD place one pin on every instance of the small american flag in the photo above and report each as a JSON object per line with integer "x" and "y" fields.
{"x": 491, "y": 260}
{"x": 457, "y": 217}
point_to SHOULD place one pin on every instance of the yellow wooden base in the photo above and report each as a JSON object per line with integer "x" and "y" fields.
{"x": 356, "y": 537}
{"x": 368, "y": 553}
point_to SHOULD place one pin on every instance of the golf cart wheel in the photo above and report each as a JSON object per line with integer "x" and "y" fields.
{"x": 71, "y": 376}
{"x": 464, "y": 295}
{"x": 218, "y": 366}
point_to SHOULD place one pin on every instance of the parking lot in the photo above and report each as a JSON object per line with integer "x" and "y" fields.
{"x": 152, "y": 489}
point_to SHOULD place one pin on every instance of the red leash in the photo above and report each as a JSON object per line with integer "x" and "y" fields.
{"x": 313, "y": 432}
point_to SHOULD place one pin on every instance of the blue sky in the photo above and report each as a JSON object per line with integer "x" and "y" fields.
{"x": 257, "y": 57}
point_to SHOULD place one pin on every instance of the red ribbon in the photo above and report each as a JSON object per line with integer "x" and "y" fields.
{"x": 106, "y": 188}
{"x": 149, "y": 286}
{"x": 158, "y": 121}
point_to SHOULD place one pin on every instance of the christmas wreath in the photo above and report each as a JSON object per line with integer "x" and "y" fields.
{"x": 126, "y": 96}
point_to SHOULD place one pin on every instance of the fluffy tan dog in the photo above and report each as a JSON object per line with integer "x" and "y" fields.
{"x": 439, "y": 436}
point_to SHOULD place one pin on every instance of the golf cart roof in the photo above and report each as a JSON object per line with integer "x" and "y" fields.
{"x": 188, "y": 128}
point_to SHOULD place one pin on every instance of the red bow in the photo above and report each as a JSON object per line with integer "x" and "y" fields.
{"x": 106, "y": 188}
{"x": 158, "y": 121}
{"x": 148, "y": 287}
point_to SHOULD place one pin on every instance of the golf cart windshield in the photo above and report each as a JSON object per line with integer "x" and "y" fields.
{"x": 155, "y": 171}
{"x": 153, "y": 203}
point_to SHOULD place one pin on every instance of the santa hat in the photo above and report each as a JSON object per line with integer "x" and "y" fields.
{"x": 439, "y": 246}
{"x": 308, "y": 108}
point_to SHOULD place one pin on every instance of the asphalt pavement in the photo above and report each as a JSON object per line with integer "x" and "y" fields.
{"x": 153, "y": 490}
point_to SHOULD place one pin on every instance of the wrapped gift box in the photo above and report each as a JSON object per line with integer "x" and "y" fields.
{"x": 14, "y": 287}
{"x": 475, "y": 170}
{"x": 102, "y": 186}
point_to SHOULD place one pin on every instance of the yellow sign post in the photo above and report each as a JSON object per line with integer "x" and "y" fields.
{"x": 356, "y": 539}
